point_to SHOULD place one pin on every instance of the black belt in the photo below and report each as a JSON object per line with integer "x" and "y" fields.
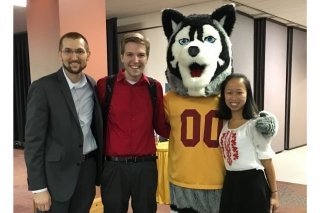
{"x": 132, "y": 159}
{"x": 89, "y": 155}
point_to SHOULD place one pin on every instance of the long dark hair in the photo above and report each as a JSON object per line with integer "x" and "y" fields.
{"x": 250, "y": 109}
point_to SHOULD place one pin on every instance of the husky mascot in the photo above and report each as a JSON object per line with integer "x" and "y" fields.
{"x": 199, "y": 58}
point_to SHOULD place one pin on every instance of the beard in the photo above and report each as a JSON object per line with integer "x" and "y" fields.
{"x": 71, "y": 71}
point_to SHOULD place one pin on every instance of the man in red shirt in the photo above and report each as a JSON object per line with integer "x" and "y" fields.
{"x": 130, "y": 168}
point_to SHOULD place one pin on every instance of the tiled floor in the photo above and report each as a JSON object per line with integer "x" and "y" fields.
{"x": 290, "y": 166}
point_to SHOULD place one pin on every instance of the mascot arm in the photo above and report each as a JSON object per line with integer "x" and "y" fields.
{"x": 267, "y": 124}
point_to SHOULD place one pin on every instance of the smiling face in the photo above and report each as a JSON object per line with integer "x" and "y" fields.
{"x": 235, "y": 94}
{"x": 134, "y": 60}
{"x": 74, "y": 55}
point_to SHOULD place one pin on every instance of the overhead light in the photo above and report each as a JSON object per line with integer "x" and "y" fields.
{"x": 20, "y": 3}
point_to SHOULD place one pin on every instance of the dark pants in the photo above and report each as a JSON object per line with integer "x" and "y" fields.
{"x": 245, "y": 191}
{"x": 121, "y": 180}
{"x": 84, "y": 193}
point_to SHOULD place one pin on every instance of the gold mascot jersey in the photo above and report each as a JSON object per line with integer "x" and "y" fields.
{"x": 195, "y": 160}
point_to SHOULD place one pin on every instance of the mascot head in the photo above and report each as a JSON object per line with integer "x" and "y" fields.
{"x": 199, "y": 53}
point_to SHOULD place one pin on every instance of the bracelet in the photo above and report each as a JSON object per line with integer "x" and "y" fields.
{"x": 274, "y": 191}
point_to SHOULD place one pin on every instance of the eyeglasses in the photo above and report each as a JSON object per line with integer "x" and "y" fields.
{"x": 78, "y": 52}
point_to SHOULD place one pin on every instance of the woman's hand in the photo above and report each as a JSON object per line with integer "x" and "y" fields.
{"x": 274, "y": 202}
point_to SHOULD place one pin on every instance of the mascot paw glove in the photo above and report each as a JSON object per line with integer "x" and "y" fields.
{"x": 267, "y": 124}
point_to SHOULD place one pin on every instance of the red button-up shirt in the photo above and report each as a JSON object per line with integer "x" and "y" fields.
{"x": 129, "y": 128}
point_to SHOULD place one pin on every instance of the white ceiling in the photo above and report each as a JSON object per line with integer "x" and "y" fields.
{"x": 289, "y": 12}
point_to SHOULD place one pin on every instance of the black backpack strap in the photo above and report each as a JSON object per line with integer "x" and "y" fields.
{"x": 153, "y": 96}
{"x": 110, "y": 80}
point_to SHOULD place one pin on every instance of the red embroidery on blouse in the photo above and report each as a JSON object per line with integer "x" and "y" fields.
{"x": 228, "y": 144}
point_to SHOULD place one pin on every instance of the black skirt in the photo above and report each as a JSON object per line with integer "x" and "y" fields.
{"x": 245, "y": 192}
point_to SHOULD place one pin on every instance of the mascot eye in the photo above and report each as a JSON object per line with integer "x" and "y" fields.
{"x": 184, "y": 41}
{"x": 209, "y": 39}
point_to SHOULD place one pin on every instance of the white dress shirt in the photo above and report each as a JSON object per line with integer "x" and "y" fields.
{"x": 82, "y": 95}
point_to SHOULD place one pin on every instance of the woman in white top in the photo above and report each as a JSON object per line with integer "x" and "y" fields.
{"x": 250, "y": 183}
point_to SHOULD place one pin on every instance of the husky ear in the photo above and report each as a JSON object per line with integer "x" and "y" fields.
{"x": 170, "y": 19}
{"x": 227, "y": 15}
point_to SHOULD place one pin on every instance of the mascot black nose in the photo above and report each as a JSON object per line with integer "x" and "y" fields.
{"x": 193, "y": 51}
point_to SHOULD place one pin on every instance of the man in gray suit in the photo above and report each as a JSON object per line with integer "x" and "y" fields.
{"x": 63, "y": 134}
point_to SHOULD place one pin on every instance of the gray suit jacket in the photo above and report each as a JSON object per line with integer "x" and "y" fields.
{"x": 54, "y": 138}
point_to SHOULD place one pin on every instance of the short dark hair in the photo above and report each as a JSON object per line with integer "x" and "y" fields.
{"x": 134, "y": 37}
{"x": 250, "y": 109}
{"x": 73, "y": 35}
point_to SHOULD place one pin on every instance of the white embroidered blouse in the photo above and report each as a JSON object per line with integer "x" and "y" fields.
{"x": 242, "y": 147}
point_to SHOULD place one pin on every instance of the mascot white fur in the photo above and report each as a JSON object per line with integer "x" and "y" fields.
{"x": 199, "y": 58}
